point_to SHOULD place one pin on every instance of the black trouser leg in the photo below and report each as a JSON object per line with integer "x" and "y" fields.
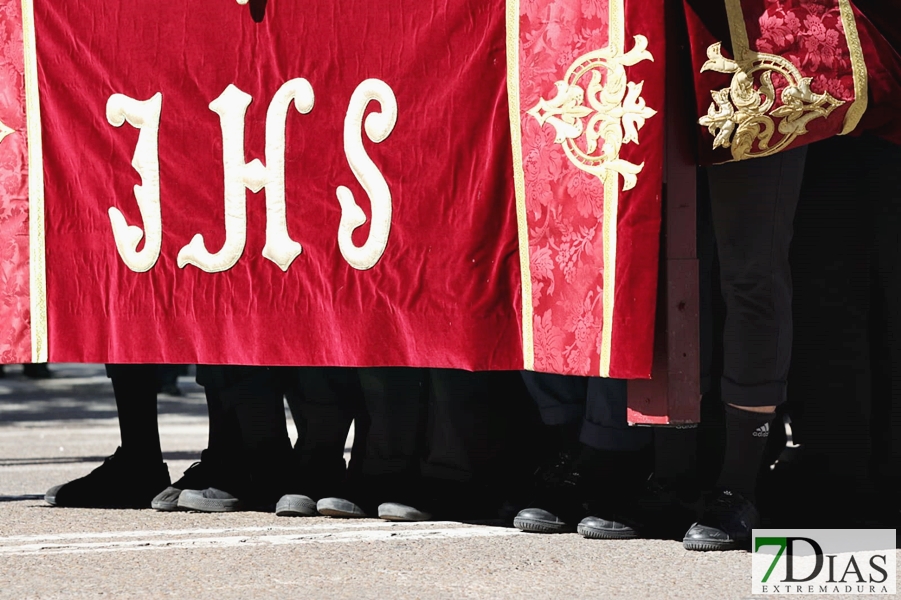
{"x": 753, "y": 205}
{"x": 135, "y": 389}
{"x": 883, "y": 182}
{"x": 255, "y": 395}
{"x": 476, "y": 449}
{"x": 606, "y": 425}
{"x": 395, "y": 400}
{"x": 830, "y": 378}
{"x": 324, "y": 403}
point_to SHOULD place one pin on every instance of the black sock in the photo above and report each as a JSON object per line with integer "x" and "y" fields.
{"x": 135, "y": 389}
{"x": 746, "y": 438}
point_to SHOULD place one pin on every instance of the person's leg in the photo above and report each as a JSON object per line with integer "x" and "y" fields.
{"x": 753, "y": 206}
{"x": 396, "y": 400}
{"x": 324, "y": 402}
{"x": 883, "y": 183}
{"x": 136, "y": 473}
{"x": 223, "y": 457}
{"x": 556, "y": 505}
{"x": 473, "y": 456}
{"x": 829, "y": 383}
{"x": 255, "y": 395}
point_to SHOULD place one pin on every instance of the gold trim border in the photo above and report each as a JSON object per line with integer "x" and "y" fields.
{"x": 519, "y": 184}
{"x": 617, "y": 40}
{"x": 858, "y": 68}
{"x": 738, "y": 31}
{"x": 36, "y": 241}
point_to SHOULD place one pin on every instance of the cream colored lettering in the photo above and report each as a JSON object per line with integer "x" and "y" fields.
{"x": 379, "y": 126}
{"x": 144, "y": 116}
{"x": 231, "y": 106}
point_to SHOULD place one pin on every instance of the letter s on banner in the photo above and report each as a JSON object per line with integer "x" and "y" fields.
{"x": 379, "y": 126}
{"x": 144, "y": 116}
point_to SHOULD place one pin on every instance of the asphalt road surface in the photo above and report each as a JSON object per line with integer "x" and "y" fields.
{"x": 55, "y": 430}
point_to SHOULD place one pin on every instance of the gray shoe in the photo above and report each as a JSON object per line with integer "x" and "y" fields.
{"x": 392, "y": 511}
{"x": 295, "y": 505}
{"x": 167, "y": 500}
{"x": 209, "y": 500}
{"x": 339, "y": 507}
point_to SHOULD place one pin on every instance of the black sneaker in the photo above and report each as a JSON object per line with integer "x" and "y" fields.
{"x": 650, "y": 512}
{"x": 396, "y": 511}
{"x": 726, "y": 524}
{"x": 341, "y": 508}
{"x": 295, "y": 505}
{"x": 195, "y": 477}
{"x": 120, "y": 482}
{"x": 558, "y": 505}
{"x": 209, "y": 500}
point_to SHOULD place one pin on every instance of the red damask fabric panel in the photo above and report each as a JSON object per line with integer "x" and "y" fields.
{"x": 788, "y": 82}
{"x": 15, "y": 319}
{"x": 783, "y": 73}
{"x": 591, "y": 89}
{"x": 445, "y": 290}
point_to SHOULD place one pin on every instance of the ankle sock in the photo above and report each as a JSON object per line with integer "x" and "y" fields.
{"x": 746, "y": 438}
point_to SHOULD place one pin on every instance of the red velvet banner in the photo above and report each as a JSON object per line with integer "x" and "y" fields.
{"x": 450, "y": 184}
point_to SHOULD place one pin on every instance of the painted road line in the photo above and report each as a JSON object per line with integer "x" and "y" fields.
{"x": 318, "y": 526}
{"x": 246, "y": 541}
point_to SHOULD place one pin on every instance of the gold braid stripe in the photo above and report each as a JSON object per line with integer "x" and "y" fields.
{"x": 519, "y": 183}
{"x": 38, "y": 283}
{"x": 858, "y": 68}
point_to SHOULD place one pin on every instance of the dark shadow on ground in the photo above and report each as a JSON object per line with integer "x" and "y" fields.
{"x": 71, "y": 460}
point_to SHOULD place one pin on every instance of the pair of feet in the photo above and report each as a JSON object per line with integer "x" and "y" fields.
{"x": 343, "y": 508}
{"x": 726, "y": 522}
{"x": 128, "y": 482}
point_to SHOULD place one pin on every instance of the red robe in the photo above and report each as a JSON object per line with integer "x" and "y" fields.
{"x": 776, "y": 74}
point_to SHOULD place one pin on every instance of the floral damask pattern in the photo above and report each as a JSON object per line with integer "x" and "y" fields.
{"x": 810, "y": 34}
{"x": 15, "y": 340}
{"x": 564, "y": 205}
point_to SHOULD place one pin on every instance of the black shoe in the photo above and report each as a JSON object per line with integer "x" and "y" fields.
{"x": 36, "y": 371}
{"x": 653, "y": 511}
{"x": 558, "y": 504}
{"x": 209, "y": 500}
{"x": 195, "y": 477}
{"x": 726, "y": 524}
{"x": 120, "y": 482}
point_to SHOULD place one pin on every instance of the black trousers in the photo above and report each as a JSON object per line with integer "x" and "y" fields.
{"x": 845, "y": 380}
{"x": 753, "y": 206}
{"x": 597, "y": 403}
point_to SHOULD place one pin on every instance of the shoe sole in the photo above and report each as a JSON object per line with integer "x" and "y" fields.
{"x": 593, "y": 533}
{"x": 342, "y": 509}
{"x": 295, "y": 506}
{"x": 401, "y": 512}
{"x": 201, "y": 504}
{"x": 710, "y": 546}
{"x": 536, "y": 526}
{"x": 164, "y": 506}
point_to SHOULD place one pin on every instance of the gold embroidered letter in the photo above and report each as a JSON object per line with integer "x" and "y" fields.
{"x": 144, "y": 116}
{"x": 379, "y": 126}
{"x": 231, "y": 106}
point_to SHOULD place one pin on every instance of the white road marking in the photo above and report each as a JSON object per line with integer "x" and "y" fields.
{"x": 372, "y": 531}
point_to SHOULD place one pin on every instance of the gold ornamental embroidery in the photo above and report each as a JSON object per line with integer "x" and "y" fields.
{"x": 614, "y": 114}
{"x": 4, "y": 131}
{"x": 742, "y": 117}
